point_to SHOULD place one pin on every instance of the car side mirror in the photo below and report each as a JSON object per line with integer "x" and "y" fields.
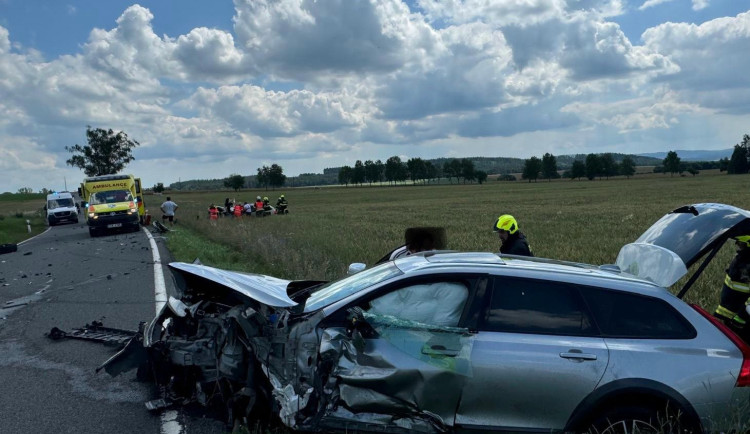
{"x": 355, "y": 268}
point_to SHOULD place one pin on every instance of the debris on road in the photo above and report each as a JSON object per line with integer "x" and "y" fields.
{"x": 96, "y": 332}
{"x": 8, "y": 248}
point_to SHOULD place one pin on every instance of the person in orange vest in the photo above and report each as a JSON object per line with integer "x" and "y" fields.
{"x": 258, "y": 206}
{"x": 238, "y": 210}
{"x": 213, "y": 212}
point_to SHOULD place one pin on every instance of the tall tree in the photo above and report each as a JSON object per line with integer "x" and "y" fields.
{"x": 358, "y": 175}
{"x": 391, "y": 168}
{"x": 627, "y": 167}
{"x": 738, "y": 162}
{"x": 276, "y": 177}
{"x": 609, "y": 166}
{"x": 416, "y": 168}
{"x": 107, "y": 152}
{"x": 531, "y": 168}
{"x": 724, "y": 164}
{"x": 578, "y": 170}
{"x": 264, "y": 177}
{"x": 380, "y": 169}
{"x": 671, "y": 163}
{"x": 371, "y": 172}
{"x": 481, "y": 176}
{"x": 448, "y": 171}
{"x": 456, "y": 167}
{"x": 593, "y": 166}
{"x": 234, "y": 181}
{"x": 159, "y": 187}
{"x": 431, "y": 171}
{"x": 345, "y": 175}
{"x": 549, "y": 166}
{"x": 467, "y": 170}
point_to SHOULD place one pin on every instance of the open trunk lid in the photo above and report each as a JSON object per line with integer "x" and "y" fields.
{"x": 670, "y": 246}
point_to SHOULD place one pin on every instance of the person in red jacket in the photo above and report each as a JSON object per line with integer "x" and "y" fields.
{"x": 238, "y": 210}
{"x": 213, "y": 212}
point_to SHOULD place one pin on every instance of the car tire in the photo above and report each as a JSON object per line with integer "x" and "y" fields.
{"x": 93, "y": 232}
{"x": 51, "y": 221}
{"x": 637, "y": 419}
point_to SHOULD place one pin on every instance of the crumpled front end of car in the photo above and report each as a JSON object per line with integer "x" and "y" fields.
{"x": 250, "y": 360}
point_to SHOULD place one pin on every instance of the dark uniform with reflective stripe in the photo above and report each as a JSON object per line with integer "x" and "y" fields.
{"x": 735, "y": 291}
{"x": 516, "y": 244}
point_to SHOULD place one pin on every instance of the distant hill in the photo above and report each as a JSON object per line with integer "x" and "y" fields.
{"x": 694, "y": 155}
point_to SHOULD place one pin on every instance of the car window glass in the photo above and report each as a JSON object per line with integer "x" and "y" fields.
{"x": 340, "y": 289}
{"x": 434, "y": 303}
{"x": 111, "y": 196}
{"x": 530, "y": 306}
{"x": 626, "y": 315}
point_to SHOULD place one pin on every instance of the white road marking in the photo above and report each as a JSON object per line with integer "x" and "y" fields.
{"x": 29, "y": 239}
{"x": 170, "y": 423}
{"x": 160, "y": 288}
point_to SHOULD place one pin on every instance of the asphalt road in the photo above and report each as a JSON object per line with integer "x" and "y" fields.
{"x": 64, "y": 278}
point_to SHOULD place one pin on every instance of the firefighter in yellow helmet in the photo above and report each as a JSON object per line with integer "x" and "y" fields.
{"x": 513, "y": 241}
{"x": 736, "y": 289}
{"x": 281, "y": 205}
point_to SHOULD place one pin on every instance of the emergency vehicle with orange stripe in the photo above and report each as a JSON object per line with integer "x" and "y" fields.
{"x": 112, "y": 202}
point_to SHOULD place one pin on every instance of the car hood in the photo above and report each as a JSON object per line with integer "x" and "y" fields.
{"x": 267, "y": 290}
{"x": 664, "y": 252}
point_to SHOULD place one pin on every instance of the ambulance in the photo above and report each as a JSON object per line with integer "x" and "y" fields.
{"x": 112, "y": 202}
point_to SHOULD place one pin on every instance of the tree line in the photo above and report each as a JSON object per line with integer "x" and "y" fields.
{"x": 606, "y": 165}
{"x": 417, "y": 170}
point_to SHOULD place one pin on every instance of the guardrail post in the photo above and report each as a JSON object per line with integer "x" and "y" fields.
{"x": 28, "y": 226}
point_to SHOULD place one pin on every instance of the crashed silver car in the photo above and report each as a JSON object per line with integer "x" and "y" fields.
{"x": 446, "y": 341}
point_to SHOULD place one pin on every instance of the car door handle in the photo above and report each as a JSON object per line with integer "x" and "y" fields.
{"x": 439, "y": 350}
{"x": 577, "y": 355}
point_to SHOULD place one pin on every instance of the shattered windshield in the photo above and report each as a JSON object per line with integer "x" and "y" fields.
{"x": 60, "y": 203}
{"x": 111, "y": 196}
{"x": 343, "y": 288}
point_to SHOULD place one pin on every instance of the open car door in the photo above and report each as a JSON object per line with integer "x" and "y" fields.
{"x": 681, "y": 238}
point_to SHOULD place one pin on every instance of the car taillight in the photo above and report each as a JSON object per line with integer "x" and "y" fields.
{"x": 743, "y": 379}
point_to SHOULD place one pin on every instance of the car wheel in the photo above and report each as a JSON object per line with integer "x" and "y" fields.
{"x": 51, "y": 221}
{"x": 635, "y": 420}
{"x": 93, "y": 232}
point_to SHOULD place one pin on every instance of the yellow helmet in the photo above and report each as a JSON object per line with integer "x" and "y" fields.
{"x": 282, "y": 196}
{"x": 745, "y": 239}
{"x": 265, "y": 197}
{"x": 507, "y": 223}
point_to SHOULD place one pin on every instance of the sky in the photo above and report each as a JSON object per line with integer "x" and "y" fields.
{"x": 210, "y": 89}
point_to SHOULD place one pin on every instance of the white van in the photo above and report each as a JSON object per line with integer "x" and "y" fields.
{"x": 61, "y": 207}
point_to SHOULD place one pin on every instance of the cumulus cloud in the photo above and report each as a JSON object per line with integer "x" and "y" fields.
{"x": 651, "y": 3}
{"x": 713, "y": 56}
{"x": 467, "y": 72}
{"x": 658, "y": 111}
{"x": 697, "y": 4}
{"x": 300, "y": 38}
{"x": 515, "y": 12}
{"x": 700, "y": 4}
{"x": 253, "y": 110}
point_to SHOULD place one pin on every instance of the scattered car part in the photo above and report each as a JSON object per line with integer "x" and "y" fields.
{"x": 8, "y": 248}
{"x": 96, "y": 332}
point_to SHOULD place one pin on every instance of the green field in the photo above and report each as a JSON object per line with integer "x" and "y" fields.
{"x": 328, "y": 228}
{"x": 15, "y": 210}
